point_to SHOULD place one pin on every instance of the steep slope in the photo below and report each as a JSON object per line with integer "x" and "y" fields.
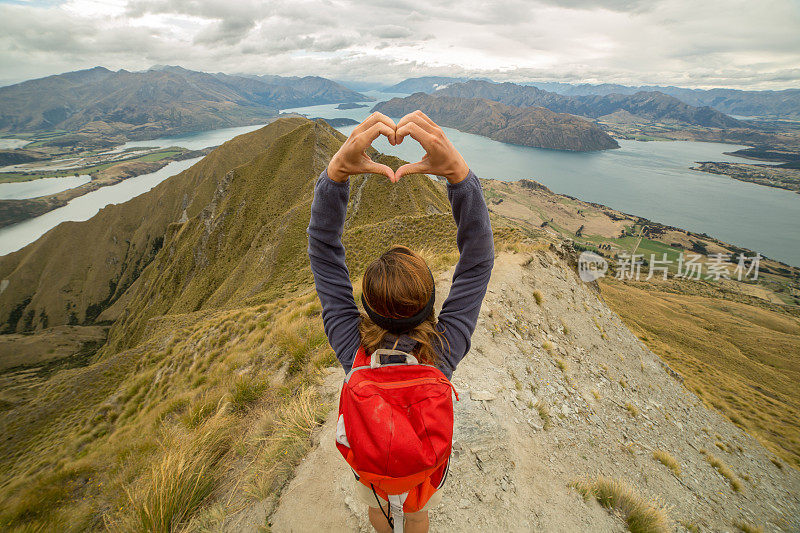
{"x": 77, "y": 269}
{"x": 160, "y": 101}
{"x": 557, "y": 390}
{"x": 526, "y": 126}
{"x": 651, "y": 106}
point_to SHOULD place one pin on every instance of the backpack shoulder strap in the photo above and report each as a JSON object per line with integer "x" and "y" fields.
{"x": 361, "y": 359}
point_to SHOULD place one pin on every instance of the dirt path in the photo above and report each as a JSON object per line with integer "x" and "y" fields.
{"x": 509, "y": 473}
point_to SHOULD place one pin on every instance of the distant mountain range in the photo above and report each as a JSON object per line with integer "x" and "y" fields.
{"x": 649, "y": 106}
{"x": 161, "y": 101}
{"x": 784, "y": 103}
{"x": 527, "y": 126}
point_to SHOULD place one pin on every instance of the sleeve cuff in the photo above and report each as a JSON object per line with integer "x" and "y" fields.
{"x": 324, "y": 177}
{"x": 471, "y": 177}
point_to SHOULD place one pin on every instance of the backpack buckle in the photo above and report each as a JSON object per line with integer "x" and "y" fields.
{"x": 375, "y": 358}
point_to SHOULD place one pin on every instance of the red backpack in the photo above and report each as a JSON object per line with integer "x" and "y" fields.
{"x": 395, "y": 428}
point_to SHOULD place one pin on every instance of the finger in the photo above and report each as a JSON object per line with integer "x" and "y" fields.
{"x": 372, "y": 120}
{"x": 417, "y": 118}
{"x": 420, "y": 167}
{"x": 417, "y": 133}
{"x": 427, "y": 118}
{"x": 377, "y": 168}
{"x": 366, "y": 138}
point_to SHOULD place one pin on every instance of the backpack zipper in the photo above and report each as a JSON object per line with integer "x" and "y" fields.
{"x": 406, "y": 383}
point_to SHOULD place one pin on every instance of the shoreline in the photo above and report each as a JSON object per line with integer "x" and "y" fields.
{"x": 765, "y": 175}
{"x": 14, "y": 211}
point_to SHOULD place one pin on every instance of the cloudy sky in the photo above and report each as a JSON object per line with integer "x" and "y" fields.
{"x": 697, "y": 43}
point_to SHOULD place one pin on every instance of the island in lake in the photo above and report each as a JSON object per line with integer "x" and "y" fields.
{"x": 350, "y": 105}
{"x": 338, "y": 122}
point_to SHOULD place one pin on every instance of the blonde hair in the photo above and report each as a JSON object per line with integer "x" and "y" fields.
{"x": 398, "y": 284}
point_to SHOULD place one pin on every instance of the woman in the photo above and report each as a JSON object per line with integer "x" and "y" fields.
{"x": 398, "y": 285}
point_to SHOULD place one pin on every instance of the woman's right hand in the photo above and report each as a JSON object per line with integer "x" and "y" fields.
{"x": 441, "y": 157}
{"x": 352, "y": 157}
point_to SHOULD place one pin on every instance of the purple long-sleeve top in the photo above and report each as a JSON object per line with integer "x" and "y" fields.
{"x": 459, "y": 314}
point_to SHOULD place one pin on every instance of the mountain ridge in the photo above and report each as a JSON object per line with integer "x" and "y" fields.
{"x": 528, "y": 126}
{"x": 777, "y": 103}
{"x": 650, "y": 106}
{"x": 163, "y": 101}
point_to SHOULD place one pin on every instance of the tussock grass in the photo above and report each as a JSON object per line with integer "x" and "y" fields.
{"x": 690, "y": 526}
{"x": 285, "y": 440}
{"x": 744, "y": 527}
{"x": 537, "y": 295}
{"x": 544, "y": 413}
{"x": 632, "y": 409}
{"x": 724, "y": 470}
{"x": 245, "y": 391}
{"x": 561, "y": 364}
{"x": 640, "y": 515}
{"x": 180, "y": 482}
{"x": 667, "y": 460}
{"x": 596, "y": 394}
{"x": 131, "y": 464}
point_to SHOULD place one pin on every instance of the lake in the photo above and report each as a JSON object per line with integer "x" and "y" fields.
{"x": 193, "y": 141}
{"x": 84, "y": 207}
{"x": 648, "y": 179}
{"x": 21, "y": 190}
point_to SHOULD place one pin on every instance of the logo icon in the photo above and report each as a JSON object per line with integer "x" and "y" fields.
{"x": 591, "y": 266}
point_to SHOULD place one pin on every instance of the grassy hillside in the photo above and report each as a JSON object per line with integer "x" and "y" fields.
{"x": 58, "y": 279}
{"x": 739, "y": 358}
{"x": 248, "y": 243}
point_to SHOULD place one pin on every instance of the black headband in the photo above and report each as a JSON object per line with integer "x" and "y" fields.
{"x": 400, "y": 325}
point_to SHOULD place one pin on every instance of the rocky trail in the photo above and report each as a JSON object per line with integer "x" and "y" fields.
{"x": 553, "y": 392}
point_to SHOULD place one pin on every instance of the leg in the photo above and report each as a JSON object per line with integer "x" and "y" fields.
{"x": 417, "y": 522}
{"x": 379, "y": 521}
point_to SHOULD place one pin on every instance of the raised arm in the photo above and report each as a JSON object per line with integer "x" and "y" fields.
{"x": 460, "y": 310}
{"x": 326, "y": 253}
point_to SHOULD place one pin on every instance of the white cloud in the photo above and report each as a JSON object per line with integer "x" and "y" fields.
{"x": 711, "y": 43}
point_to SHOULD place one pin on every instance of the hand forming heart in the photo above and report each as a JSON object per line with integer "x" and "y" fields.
{"x": 441, "y": 157}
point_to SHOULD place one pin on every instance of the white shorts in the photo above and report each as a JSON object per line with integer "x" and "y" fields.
{"x": 365, "y": 494}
